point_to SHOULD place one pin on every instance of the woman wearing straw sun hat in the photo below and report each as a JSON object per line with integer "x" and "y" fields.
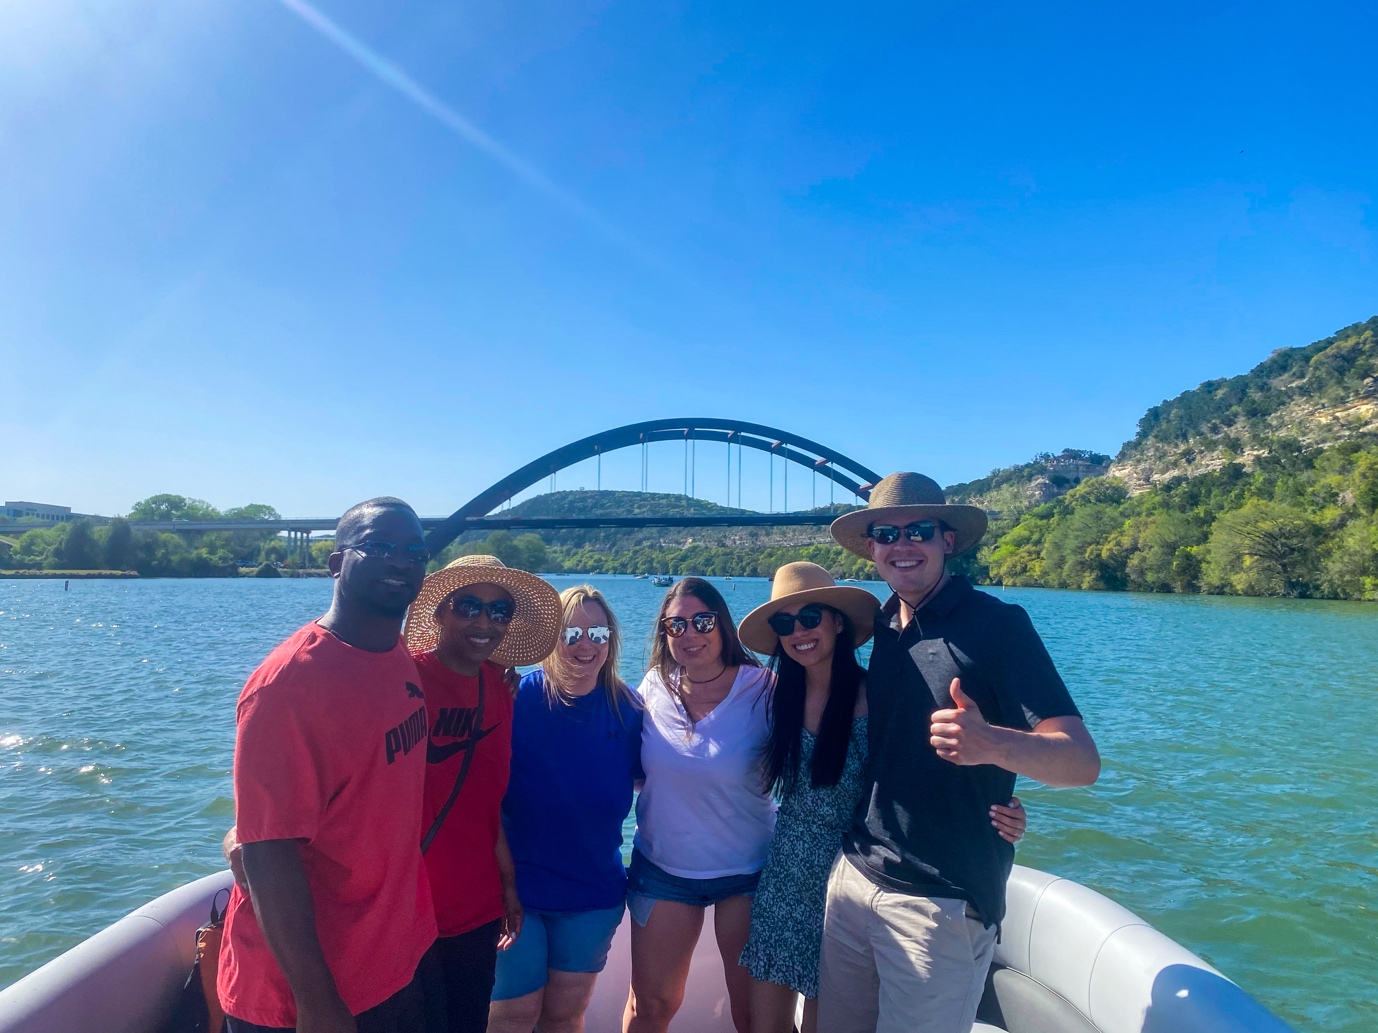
{"x": 472, "y": 621}
{"x": 814, "y": 760}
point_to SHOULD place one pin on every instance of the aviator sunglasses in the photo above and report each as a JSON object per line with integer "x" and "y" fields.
{"x": 378, "y": 550}
{"x": 468, "y": 607}
{"x": 809, "y": 618}
{"x": 703, "y": 624}
{"x": 597, "y": 633}
{"x": 889, "y": 534}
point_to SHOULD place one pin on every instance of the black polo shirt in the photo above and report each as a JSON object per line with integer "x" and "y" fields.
{"x": 925, "y": 827}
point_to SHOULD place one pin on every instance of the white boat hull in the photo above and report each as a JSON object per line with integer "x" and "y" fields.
{"x": 1069, "y": 961}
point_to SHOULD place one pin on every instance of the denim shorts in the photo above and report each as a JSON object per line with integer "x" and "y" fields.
{"x": 567, "y": 941}
{"x": 647, "y": 883}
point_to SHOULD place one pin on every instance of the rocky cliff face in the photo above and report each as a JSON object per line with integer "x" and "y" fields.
{"x": 1297, "y": 399}
{"x": 1014, "y": 489}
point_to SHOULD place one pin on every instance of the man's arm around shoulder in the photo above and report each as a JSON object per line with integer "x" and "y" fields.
{"x": 281, "y": 898}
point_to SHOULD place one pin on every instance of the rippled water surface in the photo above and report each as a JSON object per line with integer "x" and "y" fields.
{"x": 1234, "y": 811}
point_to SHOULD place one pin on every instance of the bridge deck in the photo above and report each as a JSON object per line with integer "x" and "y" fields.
{"x": 505, "y": 523}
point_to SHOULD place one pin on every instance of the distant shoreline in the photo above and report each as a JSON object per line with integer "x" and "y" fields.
{"x": 132, "y": 575}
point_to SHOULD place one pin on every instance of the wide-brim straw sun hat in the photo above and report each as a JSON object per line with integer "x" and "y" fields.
{"x": 536, "y": 613}
{"x": 901, "y": 499}
{"x": 797, "y": 585}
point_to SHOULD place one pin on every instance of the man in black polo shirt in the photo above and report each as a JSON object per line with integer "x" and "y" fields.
{"x": 962, "y": 696}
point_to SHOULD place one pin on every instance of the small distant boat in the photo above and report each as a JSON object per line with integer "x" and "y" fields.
{"x": 642, "y": 577}
{"x": 662, "y": 581}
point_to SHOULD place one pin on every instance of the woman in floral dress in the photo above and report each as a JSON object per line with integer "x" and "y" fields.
{"x": 815, "y": 760}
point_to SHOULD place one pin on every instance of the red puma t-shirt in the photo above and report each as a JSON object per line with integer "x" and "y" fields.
{"x": 331, "y": 752}
{"x": 461, "y": 860}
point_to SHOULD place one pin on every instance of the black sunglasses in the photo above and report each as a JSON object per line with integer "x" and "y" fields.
{"x": 703, "y": 624}
{"x": 809, "y": 617}
{"x": 500, "y": 611}
{"x": 378, "y": 550}
{"x": 889, "y": 534}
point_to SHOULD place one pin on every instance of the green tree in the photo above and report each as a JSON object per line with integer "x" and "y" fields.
{"x": 1159, "y": 552}
{"x": 79, "y": 550}
{"x": 38, "y": 548}
{"x": 1351, "y": 568}
{"x": 1264, "y": 548}
{"x": 247, "y": 546}
{"x": 119, "y": 546}
{"x": 530, "y": 553}
{"x": 172, "y": 507}
{"x": 1076, "y": 556}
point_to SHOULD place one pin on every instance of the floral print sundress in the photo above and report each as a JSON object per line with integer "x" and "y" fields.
{"x": 787, "y": 914}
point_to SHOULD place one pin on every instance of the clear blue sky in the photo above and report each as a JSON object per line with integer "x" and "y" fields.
{"x": 247, "y": 258}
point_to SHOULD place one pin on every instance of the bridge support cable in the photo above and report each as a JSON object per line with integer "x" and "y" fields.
{"x": 739, "y": 474}
{"x": 838, "y": 468}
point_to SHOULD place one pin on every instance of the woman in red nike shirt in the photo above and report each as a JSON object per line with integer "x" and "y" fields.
{"x": 472, "y": 621}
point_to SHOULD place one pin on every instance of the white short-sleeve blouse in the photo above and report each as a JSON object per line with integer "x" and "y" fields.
{"x": 703, "y": 812}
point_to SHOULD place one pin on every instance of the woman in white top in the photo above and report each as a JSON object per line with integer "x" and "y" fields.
{"x": 704, "y": 821}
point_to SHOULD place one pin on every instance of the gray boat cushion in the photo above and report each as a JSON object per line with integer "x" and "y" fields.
{"x": 1020, "y": 1004}
{"x": 124, "y": 979}
{"x": 1070, "y": 961}
{"x": 1109, "y": 966}
{"x": 1144, "y": 982}
{"x": 1025, "y": 887}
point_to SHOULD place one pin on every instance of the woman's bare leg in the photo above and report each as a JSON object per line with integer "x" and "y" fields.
{"x": 567, "y": 996}
{"x": 772, "y": 1007}
{"x": 517, "y": 1015}
{"x": 661, "y": 952}
{"x": 731, "y": 926}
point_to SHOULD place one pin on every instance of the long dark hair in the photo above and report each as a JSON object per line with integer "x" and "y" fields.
{"x": 780, "y": 761}
{"x": 734, "y": 654}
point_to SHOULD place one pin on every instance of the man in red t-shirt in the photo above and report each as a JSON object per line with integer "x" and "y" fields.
{"x": 329, "y": 775}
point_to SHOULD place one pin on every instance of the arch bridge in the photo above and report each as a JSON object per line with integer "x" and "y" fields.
{"x": 847, "y": 473}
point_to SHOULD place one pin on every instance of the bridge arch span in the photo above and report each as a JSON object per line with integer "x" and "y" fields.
{"x": 844, "y": 471}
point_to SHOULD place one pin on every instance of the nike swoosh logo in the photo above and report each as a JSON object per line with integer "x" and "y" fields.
{"x": 439, "y": 754}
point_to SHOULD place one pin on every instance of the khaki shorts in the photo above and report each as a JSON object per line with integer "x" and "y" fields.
{"x": 896, "y": 963}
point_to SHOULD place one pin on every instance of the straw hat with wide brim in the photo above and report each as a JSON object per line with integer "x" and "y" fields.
{"x": 901, "y": 499}
{"x": 798, "y": 584}
{"x": 535, "y": 619}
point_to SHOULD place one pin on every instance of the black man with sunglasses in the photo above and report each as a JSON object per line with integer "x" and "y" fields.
{"x": 963, "y": 697}
{"x": 333, "y": 913}
{"x": 472, "y": 622}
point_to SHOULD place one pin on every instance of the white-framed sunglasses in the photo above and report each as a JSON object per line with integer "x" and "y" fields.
{"x": 597, "y": 633}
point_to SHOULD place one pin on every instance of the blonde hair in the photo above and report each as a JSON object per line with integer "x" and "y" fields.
{"x": 557, "y": 671}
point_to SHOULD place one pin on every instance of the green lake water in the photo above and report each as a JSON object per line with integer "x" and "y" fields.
{"x": 1233, "y": 812}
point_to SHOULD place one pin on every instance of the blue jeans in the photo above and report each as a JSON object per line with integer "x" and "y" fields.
{"x": 567, "y": 941}
{"x": 647, "y": 883}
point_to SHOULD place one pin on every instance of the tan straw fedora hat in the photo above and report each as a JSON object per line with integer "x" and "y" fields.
{"x": 535, "y": 619}
{"x": 901, "y": 499}
{"x": 798, "y": 584}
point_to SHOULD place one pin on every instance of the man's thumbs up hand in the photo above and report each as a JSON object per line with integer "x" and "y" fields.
{"x": 962, "y": 736}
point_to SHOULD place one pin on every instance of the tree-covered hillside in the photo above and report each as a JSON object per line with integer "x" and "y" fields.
{"x": 713, "y": 551}
{"x": 584, "y": 503}
{"x": 1263, "y": 484}
{"x": 1296, "y": 399}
